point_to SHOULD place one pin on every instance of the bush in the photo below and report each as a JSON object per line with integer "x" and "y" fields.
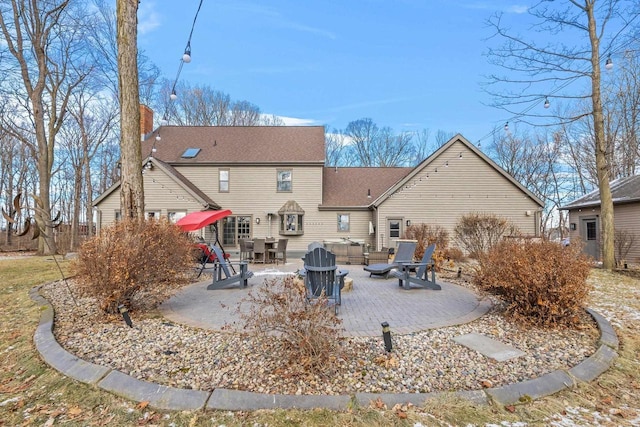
{"x": 479, "y": 232}
{"x": 427, "y": 235}
{"x": 304, "y": 335}
{"x": 134, "y": 263}
{"x": 453, "y": 254}
{"x": 542, "y": 283}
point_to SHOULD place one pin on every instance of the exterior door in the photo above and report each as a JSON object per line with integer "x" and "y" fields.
{"x": 394, "y": 231}
{"x": 589, "y": 231}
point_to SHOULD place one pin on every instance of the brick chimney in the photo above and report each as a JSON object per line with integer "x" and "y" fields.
{"x": 146, "y": 121}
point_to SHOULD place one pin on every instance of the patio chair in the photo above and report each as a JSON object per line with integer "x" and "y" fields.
{"x": 281, "y": 249}
{"x": 421, "y": 277}
{"x": 314, "y": 245}
{"x": 259, "y": 251}
{"x": 222, "y": 266}
{"x": 322, "y": 277}
{"x": 403, "y": 254}
{"x": 246, "y": 249}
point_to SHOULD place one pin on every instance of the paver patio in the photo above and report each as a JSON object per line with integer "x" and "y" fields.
{"x": 372, "y": 301}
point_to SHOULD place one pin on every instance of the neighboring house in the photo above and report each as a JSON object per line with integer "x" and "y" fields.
{"x": 274, "y": 181}
{"x": 584, "y": 217}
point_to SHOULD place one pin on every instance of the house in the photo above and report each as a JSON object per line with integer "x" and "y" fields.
{"x": 584, "y": 217}
{"x": 275, "y": 182}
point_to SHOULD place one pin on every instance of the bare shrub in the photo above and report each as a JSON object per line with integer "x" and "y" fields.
{"x": 453, "y": 254}
{"x": 304, "y": 335}
{"x": 623, "y": 241}
{"x": 479, "y": 232}
{"x": 542, "y": 283}
{"x": 426, "y": 235}
{"x": 134, "y": 263}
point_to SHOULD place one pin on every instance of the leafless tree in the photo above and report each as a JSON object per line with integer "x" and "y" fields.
{"x": 93, "y": 119}
{"x": 540, "y": 69}
{"x": 43, "y": 41}
{"x": 131, "y": 188}
{"x": 334, "y": 145}
{"x": 201, "y": 105}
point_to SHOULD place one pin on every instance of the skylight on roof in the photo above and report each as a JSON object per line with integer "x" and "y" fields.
{"x": 190, "y": 153}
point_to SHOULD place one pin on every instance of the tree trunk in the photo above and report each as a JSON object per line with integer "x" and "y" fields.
{"x": 131, "y": 187}
{"x": 602, "y": 166}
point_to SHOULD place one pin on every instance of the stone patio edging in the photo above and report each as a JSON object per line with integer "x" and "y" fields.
{"x": 172, "y": 398}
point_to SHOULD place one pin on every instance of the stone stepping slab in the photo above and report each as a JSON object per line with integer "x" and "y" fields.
{"x": 489, "y": 347}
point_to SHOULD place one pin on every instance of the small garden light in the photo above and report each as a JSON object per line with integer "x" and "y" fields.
{"x": 125, "y": 315}
{"x": 386, "y": 334}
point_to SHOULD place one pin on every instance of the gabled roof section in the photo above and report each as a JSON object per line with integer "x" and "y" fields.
{"x": 350, "y": 187}
{"x": 238, "y": 144}
{"x": 427, "y": 162}
{"x": 623, "y": 190}
{"x": 180, "y": 179}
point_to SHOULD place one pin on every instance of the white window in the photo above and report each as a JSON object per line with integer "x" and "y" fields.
{"x": 343, "y": 222}
{"x": 175, "y": 216}
{"x": 284, "y": 180}
{"x": 224, "y": 180}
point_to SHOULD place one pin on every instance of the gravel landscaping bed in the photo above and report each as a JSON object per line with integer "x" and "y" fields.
{"x": 180, "y": 356}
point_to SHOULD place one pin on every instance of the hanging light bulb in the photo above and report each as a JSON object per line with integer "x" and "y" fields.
{"x": 506, "y": 127}
{"x": 608, "y": 64}
{"x": 154, "y": 149}
{"x": 173, "y": 95}
{"x": 546, "y": 103}
{"x": 164, "y": 120}
{"x": 187, "y": 53}
{"x": 158, "y": 138}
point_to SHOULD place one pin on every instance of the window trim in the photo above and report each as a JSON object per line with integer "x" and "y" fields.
{"x": 298, "y": 222}
{"x": 348, "y": 222}
{"x": 278, "y": 181}
{"x": 220, "y": 181}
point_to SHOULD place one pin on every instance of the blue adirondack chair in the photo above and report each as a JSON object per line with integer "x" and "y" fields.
{"x": 322, "y": 277}
{"x": 222, "y": 276}
{"x": 421, "y": 277}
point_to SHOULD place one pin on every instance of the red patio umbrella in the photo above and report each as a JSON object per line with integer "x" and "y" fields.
{"x": 197, "y": 220}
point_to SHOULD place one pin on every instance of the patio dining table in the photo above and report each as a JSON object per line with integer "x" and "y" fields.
{"x": 269, "y": 243}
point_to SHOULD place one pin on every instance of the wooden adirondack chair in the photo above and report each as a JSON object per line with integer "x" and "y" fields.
{"x": 421, "y": 277}
{"x": 321, "y": 275}
{"x": 222, "y": 267}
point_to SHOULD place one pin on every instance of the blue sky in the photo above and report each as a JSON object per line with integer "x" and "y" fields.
{"x": 406, "y": 64}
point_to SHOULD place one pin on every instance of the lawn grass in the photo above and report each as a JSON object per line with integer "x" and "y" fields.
{"x": 32, "y": 393}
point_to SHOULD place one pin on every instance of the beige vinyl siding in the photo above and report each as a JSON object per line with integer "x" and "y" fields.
{"x": 162, "y": 194}
{"x": 468, "y": 184}
{"x": 626, "y": 217}
{"x": 253, "y": 192}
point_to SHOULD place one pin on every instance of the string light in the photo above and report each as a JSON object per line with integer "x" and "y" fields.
{"x": 546, "y": 103}
{"x": 186, "y": 58}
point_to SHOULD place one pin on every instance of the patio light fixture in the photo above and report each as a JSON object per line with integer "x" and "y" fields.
{"x": 369, "y": 193}
{"x": 187, "y": 53}
{"x": 546, "y": 103}
{"x": 386, "y": 335}
{"x": 125, "y": 315}
{"x": 608, "y": 64}
{"x": 257, "y": 220}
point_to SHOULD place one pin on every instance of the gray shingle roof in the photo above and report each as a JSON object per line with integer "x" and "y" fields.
{"x": 623, "y": 190}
